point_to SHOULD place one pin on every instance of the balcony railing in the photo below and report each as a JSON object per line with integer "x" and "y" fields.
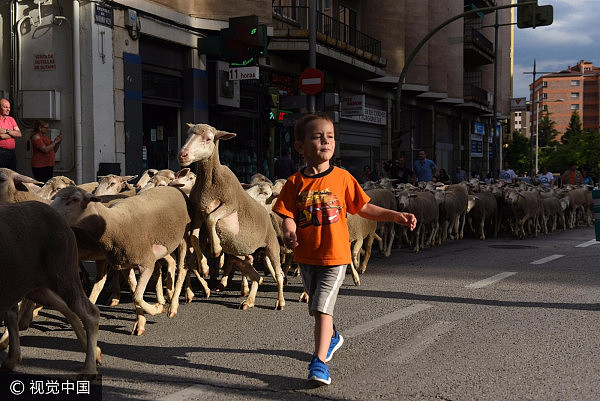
{"x": 478, "y": 40}
{"x": 475, "y": 94}
{"x": 297, "y": 17}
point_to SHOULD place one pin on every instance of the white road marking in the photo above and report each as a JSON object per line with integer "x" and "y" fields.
{"x": 546, "y": 259}
{"x": 490, "y": 280}
{"x": 588, "y": 243}
{"x": 189, "y": 392}
{"x": 385, "y": 319}
{"x": 420, "y": 342}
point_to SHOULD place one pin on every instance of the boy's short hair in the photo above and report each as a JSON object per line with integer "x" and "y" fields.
{"x": 300, "y": 126}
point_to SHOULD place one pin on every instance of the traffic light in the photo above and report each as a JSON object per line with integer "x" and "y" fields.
{"x": 244, "y": 41}
{"x": 241, "y": 44}
{"x": 532, "y": 15}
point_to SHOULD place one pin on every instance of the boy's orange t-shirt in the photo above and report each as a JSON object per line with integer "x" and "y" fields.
{"x": 318, "y": 204}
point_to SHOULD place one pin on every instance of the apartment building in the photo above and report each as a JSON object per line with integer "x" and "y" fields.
{"x": 122, "y": 78}
{"x": 561, "y": 93}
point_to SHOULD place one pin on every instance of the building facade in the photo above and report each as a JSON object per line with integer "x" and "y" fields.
{"x": 574, "y": 89}
{"x": 122, "y": 78}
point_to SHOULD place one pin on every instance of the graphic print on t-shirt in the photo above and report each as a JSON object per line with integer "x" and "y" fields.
{"x": 317, "y": 208}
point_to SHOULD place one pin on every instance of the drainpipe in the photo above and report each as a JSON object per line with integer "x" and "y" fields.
{"x": 77, "y": 95}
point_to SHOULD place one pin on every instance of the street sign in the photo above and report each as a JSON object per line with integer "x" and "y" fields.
{"x": 311, "y": 81}
{"x": 238, "y": 73}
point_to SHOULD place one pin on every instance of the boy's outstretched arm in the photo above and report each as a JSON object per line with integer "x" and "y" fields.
{"x": 289, "y": 232}
{"x": 373, "y": 212}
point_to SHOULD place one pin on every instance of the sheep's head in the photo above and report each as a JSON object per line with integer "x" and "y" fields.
{"x": 11, "y": 181}
{"x": 201, "y": 143}
{"x": 112, "y": 184}
{"x": 146, "y": 175}
{"x": 71, "y": 203}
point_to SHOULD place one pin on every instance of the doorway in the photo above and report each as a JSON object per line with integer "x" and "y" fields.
{"x": 161, "y": 133}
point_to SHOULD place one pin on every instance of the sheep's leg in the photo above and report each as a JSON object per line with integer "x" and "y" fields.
{"x": 202, "y": 282}
{"x": 142, "y": 306}
{"x": 417, "y": 236}
{"x": 304, "y": 296}
{"x": 355, "y": 278}
{"x": 277, "y": 276}
{"x": 285, "y": 267}
{"x": 363, "y": 267}
{"x": 356, "y": 248}
{"x": 4, "y": 340}
{"x": 160, "y": 296}
{"x": 211, "y": 225}
{"x": 101, "y": 270}
{"x": 246, "y": 268}
{"x": 390, "y": 241}
{"x": 80, "y": 311}
{"x": 14, "y": 346}
{"x": 26, "y": 309}
{"x": 227, "y": 270}
{"x": 182, "y": 274}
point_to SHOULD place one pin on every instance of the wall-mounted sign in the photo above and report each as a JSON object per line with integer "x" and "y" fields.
{"x": 479, "y": 128}
{"x": 371, "y": 116}
{"x": 44, "y": 62}
{"x": 476, "y": 146}
{"x": 518, "y": 103}
{"x": 353, "y": 105}
{"x": 103, "y": 15}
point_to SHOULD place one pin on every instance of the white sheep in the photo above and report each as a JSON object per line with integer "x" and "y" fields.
{"x": 112, "y": 184}
{"x": 39, "y": 262}
{"x": 236, "y": 224}
{"x": 133, "y": 232}
{"x": 13, "y": 188}
{"x": 148, "y": 174}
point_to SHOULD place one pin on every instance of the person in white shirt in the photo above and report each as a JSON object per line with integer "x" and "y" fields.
{"x": 545, "y": 178}
{"x": 508, "y": 174}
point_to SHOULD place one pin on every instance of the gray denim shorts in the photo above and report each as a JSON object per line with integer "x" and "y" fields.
{"x": 322, "y": 284}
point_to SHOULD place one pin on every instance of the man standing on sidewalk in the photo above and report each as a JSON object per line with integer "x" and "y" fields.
{"x": 9, "y": 130}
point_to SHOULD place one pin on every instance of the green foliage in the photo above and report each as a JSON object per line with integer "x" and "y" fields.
{"x": 517, "y": 152}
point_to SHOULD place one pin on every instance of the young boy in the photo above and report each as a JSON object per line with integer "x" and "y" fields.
{"x": 313, "y": 203}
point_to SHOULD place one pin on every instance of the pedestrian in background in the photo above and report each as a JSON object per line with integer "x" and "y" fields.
{"x": 572, "y": 175}
{"x": 545, "y": 178}
{"x": 313, "y": 204}
{"x": 425, "y": 168}
{"x": 9, "y": 130}
{"x": 444, "y": 177}
{"x": 44, "y": 151}
{"x": 508, "y": 174}
{"x": 376, "y": 173}
{"x": 460, "y": 175}
{"x": 284, "y": 166}
{"x": 399, "y": 171}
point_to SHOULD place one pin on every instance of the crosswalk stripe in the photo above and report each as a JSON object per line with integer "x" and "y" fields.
{"x": 490, "y": 280}
{"x": 385, "y": 319}
{"x": 546, "y": 259}
{"x": 419, "y": 342}
{"x": 588, "y": 243}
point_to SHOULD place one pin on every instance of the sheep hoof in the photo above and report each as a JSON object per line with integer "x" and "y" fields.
{"x": 220, "y": 287}
{"x": 188, "y": 299}
{"x": 285, "y": 281}
{"x": 138, "y": 331}
{"x": 244, "y": 293}
{"x": 98, "y": 356}
{"x": 357, "y": 282}
{"x": 279, "y": 305}
{"x": 114, "y": 302}
{"x": 303, "y": 297}
{"x": 172, "y": 314}
{"x": 260, "y": 281}
{"x": 244, "y": 306}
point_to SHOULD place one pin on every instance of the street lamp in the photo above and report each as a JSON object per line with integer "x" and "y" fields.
{"x": 537, "y": 119}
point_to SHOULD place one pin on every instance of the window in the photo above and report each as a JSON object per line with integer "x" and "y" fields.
{"x": 518, "y": 114}
{"x": 575, "y": 82}
{"x": 575, "y": 95}
{"x": 544, "y": 96}
{"x": 574, "y": 107}
{"x": 286, "y": 9}
{"x": 545, "y": 84}
{"x": 545, "y": 108}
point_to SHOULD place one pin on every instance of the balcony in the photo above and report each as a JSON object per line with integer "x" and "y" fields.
{"x": 478, "y": 50}
{"x": 290, "y": 24}
{"x": 475, "y": 94}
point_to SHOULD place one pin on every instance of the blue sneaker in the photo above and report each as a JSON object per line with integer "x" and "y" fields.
{"x": 336, "y": 342}
{"x": 318, "y": 371}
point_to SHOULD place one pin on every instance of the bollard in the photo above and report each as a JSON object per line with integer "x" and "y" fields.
{"x": 596, "y": 197}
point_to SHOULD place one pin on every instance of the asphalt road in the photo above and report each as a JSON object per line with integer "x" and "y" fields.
{"x": 500, "y": 319}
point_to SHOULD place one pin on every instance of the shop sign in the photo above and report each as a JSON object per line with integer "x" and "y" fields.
{"x": 518, "y": 103}
{"x": 479, "y": 128}
{"x": 476, "y": 146}
{"x": 239, "y": 73}
{"x": 103, "y": 15}
{"x": 371, "y": 116}
{"x": 353, "y": 105}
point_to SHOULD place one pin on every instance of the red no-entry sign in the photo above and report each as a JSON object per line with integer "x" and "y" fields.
{"x": 311, "y": 81}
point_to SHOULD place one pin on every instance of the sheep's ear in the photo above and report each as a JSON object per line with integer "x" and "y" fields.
{"x": 190, "y": 125}
{"x": 182, "y": 173}
{"x": 223, "y": 135}
{"x": 176, "y": 184}
{"x": 20, "y": 179}
{"x": 246, "y": 186}
{"x": 129, "y": 177}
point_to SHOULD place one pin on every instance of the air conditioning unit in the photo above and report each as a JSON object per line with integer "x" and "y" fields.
{"x": 227, "y": 92}
{"x": 40, "y": 104}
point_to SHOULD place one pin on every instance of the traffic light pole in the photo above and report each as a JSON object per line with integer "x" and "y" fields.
{"x": 414, "y": 52}
{"x": 312, "y": 47}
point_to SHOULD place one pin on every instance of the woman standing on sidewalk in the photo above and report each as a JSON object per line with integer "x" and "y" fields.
{"x": 44, "y": 151}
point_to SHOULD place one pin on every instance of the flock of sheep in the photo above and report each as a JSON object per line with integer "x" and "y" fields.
{"x": 173, "y": 220}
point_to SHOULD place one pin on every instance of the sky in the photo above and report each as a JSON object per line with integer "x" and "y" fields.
{"x": 574, "y": 35}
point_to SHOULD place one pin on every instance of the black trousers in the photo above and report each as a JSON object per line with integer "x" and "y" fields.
{"x": 8, "y": 158}
{"x": 42, "y": 174}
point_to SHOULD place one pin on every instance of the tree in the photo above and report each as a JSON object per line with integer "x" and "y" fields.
{"x": 547, "y": 143}
{"x": 574, "y": 129}
{"x": 517, "y": 152}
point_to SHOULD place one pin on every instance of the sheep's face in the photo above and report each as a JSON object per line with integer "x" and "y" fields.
{"x": 71, "y": 203}
{"x": 112, "y": 184}
{"x": 201, "y": 143}
{"x": 146, "y": 177}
